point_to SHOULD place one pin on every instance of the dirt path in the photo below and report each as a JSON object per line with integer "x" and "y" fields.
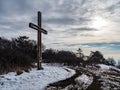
{"x": 69, "y": 83}
{"x": 63, "y": 83}
{"x": 95, "y": 84}
{"x": 99, "y": 81}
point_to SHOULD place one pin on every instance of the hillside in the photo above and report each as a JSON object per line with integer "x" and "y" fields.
{"x": 58, "y": 77}
{"x": 91, "y": 77}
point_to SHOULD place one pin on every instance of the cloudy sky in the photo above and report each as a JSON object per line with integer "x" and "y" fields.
{"x": 71, "y": 24}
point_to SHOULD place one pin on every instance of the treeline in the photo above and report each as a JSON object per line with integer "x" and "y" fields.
{"x": 20, "y": 53}
{"x": 56, "y": 56}
{"x": 16, "y": 53}
{"x": 71, "y": 58}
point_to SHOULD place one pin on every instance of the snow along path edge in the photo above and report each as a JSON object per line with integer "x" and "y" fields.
{"x": 36, "y": 79}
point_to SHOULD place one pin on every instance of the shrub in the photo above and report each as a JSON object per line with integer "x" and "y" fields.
{"x": 18, "y": 52}
{"x": 56, "y": 56}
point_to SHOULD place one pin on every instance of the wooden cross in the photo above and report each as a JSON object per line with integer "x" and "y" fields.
{"x": 39, "y": 44}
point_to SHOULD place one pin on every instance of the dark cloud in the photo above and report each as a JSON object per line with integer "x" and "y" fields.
{"x": 12, "y": 7}
{"x": 84, "y": 19}
{"x": 84, "y": 29}
{"x": 59, "y": 21}
{"x": 113, "y": 7}
{"x": 56, "y": 43}
{"x": 87, "y": 35}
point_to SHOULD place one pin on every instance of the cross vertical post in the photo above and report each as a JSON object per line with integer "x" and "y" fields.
{"x": 39, "y": 51}
{"x": 39, "y": 39}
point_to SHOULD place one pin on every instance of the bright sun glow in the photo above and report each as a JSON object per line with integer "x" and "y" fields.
{"x": 98, "y": 22}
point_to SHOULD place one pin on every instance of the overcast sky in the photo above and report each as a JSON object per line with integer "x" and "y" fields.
{"x": 71, "y": 24}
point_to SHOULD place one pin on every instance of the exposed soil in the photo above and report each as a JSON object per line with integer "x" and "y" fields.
{"x": 64, "y": 83}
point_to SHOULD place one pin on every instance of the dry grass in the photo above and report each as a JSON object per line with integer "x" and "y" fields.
{"x": 18, "y": 69}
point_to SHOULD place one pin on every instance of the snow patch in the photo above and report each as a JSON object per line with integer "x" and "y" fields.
{"x": 103, "y": 66}
{"x": 84, "y": 78}
{"x": 84, "y": 81}
{"x": 106, "y": 67}
{"x": 35, "y": 80}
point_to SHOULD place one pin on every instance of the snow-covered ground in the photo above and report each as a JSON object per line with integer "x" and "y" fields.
{"x": 109, "y": 77}
{"x": 104, "y": 76}
{"x": 84, "y": 81}
{"x": 35, "y": 79}
{"x": 106, "y": 67}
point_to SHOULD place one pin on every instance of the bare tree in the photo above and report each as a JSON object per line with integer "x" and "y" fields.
{"x": 80, "y": 53}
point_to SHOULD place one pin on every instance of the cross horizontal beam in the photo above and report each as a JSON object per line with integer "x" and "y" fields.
{"x": 31, "y": 25}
